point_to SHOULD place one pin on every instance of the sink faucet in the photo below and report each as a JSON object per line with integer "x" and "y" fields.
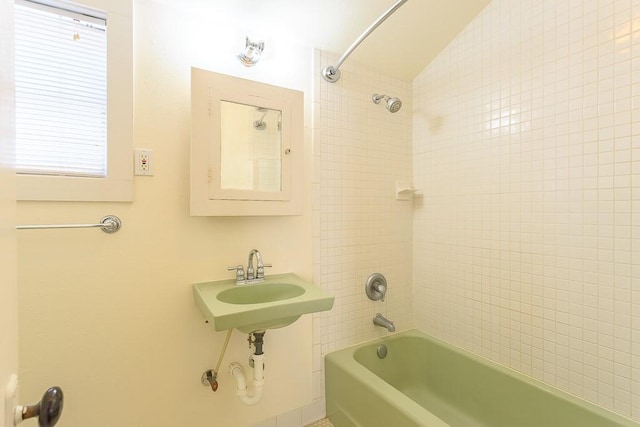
{"x": 252, "y": 275}
{"x": 380, "y": 320}
{"x": 258, "y": 273}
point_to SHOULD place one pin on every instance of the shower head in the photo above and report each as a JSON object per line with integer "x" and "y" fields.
{"x": 260, "y": 124}
{"x": 393, "y": 104}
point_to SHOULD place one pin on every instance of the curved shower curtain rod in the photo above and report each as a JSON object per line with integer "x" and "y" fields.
{"x": 332, "y": 73}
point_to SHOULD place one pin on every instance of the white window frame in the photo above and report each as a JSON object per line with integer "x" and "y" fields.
{"x": 118, "y": 183}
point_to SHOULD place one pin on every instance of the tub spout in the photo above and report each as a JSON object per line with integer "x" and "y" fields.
{"x": 380, "y": 320}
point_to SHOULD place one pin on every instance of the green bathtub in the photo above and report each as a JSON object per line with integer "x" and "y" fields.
{"x": 425, "y": 382}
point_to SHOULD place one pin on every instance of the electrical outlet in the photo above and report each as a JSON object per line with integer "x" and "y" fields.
{"x": 143, "y": 162}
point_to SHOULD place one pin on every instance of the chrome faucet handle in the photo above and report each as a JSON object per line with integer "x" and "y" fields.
{"x": 260, "y": 270}
{"x": 381, "y": 289}
{"x": 239, "y": 269}
{"x": 376, "y": 287}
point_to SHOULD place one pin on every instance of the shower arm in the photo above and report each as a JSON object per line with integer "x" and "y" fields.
{"x": 332, "y": 73}
{"x": 377, "y": 98}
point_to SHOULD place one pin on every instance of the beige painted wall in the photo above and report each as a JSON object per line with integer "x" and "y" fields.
{"x": 8, "y": 288}
{"x": 110, "y": 318}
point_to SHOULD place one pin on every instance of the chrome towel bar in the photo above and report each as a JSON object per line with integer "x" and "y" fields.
{"x": 108, "y": 224}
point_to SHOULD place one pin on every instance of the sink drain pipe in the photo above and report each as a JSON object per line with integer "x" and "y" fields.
{"x": 257, "y": 362}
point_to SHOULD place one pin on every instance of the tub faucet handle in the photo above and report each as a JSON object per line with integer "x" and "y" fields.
{"x": 376, "y": 287}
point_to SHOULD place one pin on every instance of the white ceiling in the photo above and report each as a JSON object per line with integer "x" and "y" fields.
{"x": 401, "y": 47}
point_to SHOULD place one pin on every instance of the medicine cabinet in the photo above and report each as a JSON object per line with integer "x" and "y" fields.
{"x": 246, "y": 147}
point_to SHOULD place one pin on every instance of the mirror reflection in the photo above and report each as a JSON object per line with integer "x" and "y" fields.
{"x": 250, "y": 147}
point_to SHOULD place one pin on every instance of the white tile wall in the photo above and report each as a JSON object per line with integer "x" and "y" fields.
{"x": 526, "y": 138}
{"x": 360, "y": 150}
{"x": 363, "y": 150}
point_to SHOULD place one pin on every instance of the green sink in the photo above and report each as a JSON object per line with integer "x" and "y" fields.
{"x": 278, "y": 301}
{"x": 255, "y": 294}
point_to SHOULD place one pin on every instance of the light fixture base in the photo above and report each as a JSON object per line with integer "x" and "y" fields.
{"x": 251, "y": 53}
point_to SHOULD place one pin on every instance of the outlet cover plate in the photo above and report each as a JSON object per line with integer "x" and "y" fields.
{"x": 143, "y": 162}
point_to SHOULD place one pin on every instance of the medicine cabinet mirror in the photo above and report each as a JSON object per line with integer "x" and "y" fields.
{"x": 246, "y": 147}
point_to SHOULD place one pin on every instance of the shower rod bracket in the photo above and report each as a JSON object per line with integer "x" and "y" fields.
{"x": 332, "y": 73}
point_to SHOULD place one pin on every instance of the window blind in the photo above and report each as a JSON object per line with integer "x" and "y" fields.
{"x": 61, "y": 90}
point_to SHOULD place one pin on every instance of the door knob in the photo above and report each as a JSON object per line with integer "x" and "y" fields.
{"x": 48, "y": 410}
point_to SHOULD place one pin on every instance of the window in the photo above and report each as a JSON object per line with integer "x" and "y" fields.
{"x": 61, "y": 91}
{"x": 73, "y": 101}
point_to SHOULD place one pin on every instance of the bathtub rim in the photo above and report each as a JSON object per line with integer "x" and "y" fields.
{"x": 346, "y": 356}
{"x": 344, "y": 359}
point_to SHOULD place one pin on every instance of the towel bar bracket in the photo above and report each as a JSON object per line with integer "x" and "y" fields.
{"x": 110, "y": 224}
